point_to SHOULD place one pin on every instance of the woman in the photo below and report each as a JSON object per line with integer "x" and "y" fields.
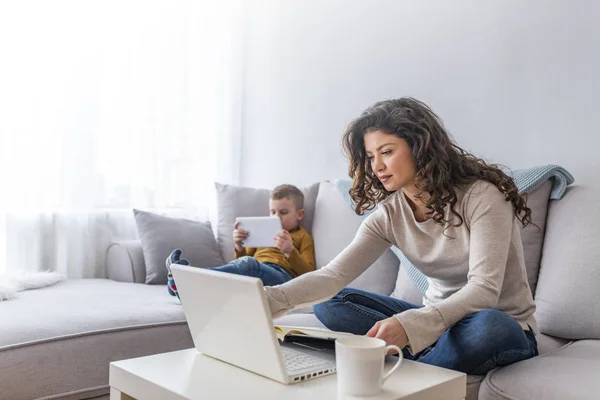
{"x": 456, "y": 218}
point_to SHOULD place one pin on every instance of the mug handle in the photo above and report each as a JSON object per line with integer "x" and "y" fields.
{"x": 400, "y": 359}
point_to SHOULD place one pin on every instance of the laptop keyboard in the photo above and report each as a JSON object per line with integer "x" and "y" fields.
{"x": 295, "y": 361}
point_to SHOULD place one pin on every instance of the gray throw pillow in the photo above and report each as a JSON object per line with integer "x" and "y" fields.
{"x": 160, "y": 235}
{"x": 532, "y": 236}
{"x": 237, "y": 201}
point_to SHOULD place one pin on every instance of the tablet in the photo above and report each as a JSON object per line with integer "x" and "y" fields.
{"x": 261, "y": 230}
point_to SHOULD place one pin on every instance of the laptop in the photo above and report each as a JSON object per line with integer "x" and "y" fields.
{"x": 230, "y": 320}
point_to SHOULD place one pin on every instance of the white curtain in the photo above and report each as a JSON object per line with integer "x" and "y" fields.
{"x": 107, "y": 106}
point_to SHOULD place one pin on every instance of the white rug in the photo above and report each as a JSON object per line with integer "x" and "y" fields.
{"x": 16, "y": 282}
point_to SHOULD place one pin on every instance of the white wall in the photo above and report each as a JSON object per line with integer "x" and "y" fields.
{"x": 515, "y": 81}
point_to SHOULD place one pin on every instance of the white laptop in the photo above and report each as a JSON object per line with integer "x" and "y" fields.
{"x": 229, "y": 320}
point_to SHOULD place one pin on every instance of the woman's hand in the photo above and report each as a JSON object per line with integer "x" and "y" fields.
{"x": 283, "y": 241}
{"x": 391, "y": 331}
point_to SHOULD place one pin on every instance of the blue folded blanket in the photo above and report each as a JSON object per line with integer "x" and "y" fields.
{"x": 527, "y": 180}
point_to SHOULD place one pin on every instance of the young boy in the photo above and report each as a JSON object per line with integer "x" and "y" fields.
{"x": 292, "y": 256}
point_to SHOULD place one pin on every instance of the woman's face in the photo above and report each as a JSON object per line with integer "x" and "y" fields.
{"x": 391, "y": 160}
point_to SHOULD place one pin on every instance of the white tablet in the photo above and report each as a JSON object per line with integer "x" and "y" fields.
{"x": 261, "y": 230}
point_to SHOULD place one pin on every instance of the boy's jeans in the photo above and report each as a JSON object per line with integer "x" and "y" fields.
{"x": 475, "y": 345}
{"x": 270, "y": 274}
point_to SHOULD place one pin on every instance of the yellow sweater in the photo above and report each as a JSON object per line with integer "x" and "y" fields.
{"x": 302, "y": 258}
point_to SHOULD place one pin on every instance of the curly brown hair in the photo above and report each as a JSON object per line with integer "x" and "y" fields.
{"x": 440, "y": 164}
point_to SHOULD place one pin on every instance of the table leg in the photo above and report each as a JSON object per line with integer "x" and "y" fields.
{"x": 117, "y": 395}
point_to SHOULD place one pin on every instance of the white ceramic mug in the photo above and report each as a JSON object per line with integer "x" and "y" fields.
{"x": 359, "y": 362}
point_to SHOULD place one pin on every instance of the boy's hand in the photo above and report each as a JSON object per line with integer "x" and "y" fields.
{"x": 283, "y": 241}
{"x": 239, "y": 235}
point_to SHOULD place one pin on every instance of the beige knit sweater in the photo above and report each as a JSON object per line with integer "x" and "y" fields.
{"x": 476, "y": 266}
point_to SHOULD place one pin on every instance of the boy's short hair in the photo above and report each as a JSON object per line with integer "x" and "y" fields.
{"x": 290, "y": 192}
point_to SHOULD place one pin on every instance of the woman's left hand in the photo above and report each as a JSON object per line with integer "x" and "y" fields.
{"x": 391, "y": 331}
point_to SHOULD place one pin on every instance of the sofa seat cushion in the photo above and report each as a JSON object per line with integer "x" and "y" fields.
{"x": 61, "y": 339}
{"x": 547, "y": 343}
{"x": 81, "y": 306}
{"x": 570, "y": 372}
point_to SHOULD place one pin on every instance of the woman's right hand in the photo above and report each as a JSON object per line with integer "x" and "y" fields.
{"x": 239, "y": 235}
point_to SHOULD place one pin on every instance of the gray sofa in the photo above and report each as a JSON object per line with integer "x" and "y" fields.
{"x": 57, "y": 342}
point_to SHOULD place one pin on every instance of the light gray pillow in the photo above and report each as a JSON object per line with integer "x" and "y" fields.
{"x": 160, "y": 235}
{"x": 532, "y": 237}
{"x": 237, "y": 201}
{"x": 334, "y": 226}
{"x": 405, "y": 288}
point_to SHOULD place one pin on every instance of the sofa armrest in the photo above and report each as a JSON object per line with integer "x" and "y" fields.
{"x": 125, "y": 262}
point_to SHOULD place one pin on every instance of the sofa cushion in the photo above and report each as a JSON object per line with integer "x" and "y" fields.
{"x": 125, "y": 261}
{"x": 547, "y": 344}
{"x": 532, "y": 237}
{"x": 570, "y": 277}
{"x": 473, "y": 384}
{"x": 568, "y": 373}
{"x": 334, "y": 227}
{"x": 77, "y": 306}
{"x": 160, "y": 235}
{"x": 405, "y": 289}
{"x": 237, "y": 201}
{"x": 60, "y": 339}
{"x": 410, "y": 271}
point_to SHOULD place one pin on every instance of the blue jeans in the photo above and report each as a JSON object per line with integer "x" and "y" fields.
{"x": 475, "y": 345}
{"x": 270, "y": 274}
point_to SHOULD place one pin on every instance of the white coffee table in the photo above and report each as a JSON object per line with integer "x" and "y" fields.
{"x": 186, "y": 374}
